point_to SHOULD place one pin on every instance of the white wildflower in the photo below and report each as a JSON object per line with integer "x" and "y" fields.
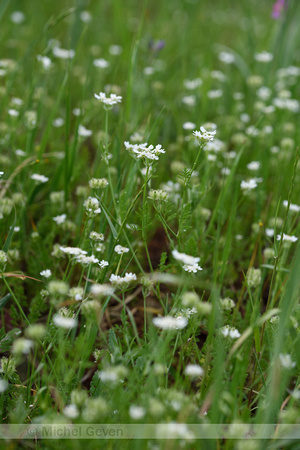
{"x": 115, "y": 50}
{"x": 286, "y": 360}
{"x": 204, "y": 136}
{"x": 76, "y": 251}
{"x": 101, "y": 290}
{"x": 230, "y": 332}
{"x": 98, "y": 183}
{"x": 186, "y": 259}
{"x": 39, "y": 178}
{"x": 254, "y": 165}
{"x": 92, "y": 206}
{"x": 103, "y": 264}
{"x": 71, "y": 411}
{"x": 46, "y": 273}
{"x": 158, "y": 195}
{"x": 60, "y": 219}
{"x": 101, "y": 63}
{"x": 64, "y": 322}
{"x": 248, "y": 185}
{"x": 216, "y": 93}
{"x": 227, "y": 304}
{"x": 120, "y": 250}
{"x": 286, "y": 237}
{"x": 193, "y": 371}
{"x": 17, "y": 17}
{"x": 117, "y": 280}
{"x": 192, "y": 84}
{"x": 263, "y": 57}
{"x": 62, "y": 53}
{"x": 96, "y": 236}
{"x": 113, "y": 99}
{"x": 170, "y": 323}
{"x": 293, "y": 207}
{"x": 189, "y": 126}
{"x": 269, "y": 232}
{"x": 22, "y": 346}
{"x": 76, "y": 292}
{"x": 84, "y": 132}
{"x": 226, "y": 57}
{"x": 45, "y": 61}
{"x": 85, "y": 16}
{"x": 189, "y": 100}
{"x": 86, "y": 260}
{"x": 192, "y": 268}
{"x": 136, "y": 412}
{"x": 144, "y": 151}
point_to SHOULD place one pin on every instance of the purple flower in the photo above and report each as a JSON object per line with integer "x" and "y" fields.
{"x": 278, "y": 8}
{"x": 156, "y": 46}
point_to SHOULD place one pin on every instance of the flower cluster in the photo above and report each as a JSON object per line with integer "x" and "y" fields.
{"x": 190, "y": 262}
{"x": 113, "y": 99}
{"x": 158, "y": 195}
{"x": 116, "y": 280}
{"x": 120, "y": 250}
{"x": 148, "y": 153}
{"x": 92, "y": 206}
{"x": 230, "y": 332}
{"x": 204, "y": 136}
{"x": 170, "y": 322}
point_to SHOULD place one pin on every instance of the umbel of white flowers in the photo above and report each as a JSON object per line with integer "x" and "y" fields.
{"x": 204, "y": 136}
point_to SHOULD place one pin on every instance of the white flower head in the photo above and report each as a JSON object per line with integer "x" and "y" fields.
{"x": 71, "y": 411}
{"x": 286, "y": 237}
{"x": 253, "y": 165}
{"x": 286, "y": 360}
{"x": 193, "y": 371}
{"x": 136, "y": 412}
{"x": 189, "y": 126}
{"x": 230, "y": 332}
{"x": 101, "y": 290}
{"x": 293, "y": 207}
{"x": 60, "y": 219}
{"x": 92, "y": 206}
{"x": 249, "y": 185}
{"x": 45, "y": 61}
{"x": 192, "y": 84}
{"x": 263, "y": 57}
{"x": 147, "y": 153}
{"x": 84, "y": 132}
{"x": 85, "y": 16}
{"x": 103, "y": 264}
{"x": 67, "y": 323}
{"x": 46, "y": 273}
{"x": 192, "y": 268}
{"x": 170, "y": 322}
{"x": 62, "y": 53}
{"x": 226, "y": 57}
{"x": 204, "y": 136}
{"x": 17, "y": 17}
{"x": 115, "y": 50}
{"x": 185, "y": 259}
{"x": 113, "y": 99}
{"x": 101, "y": 63}
{"x": 76, "y": 251}
{"x": 86, "y": 260}
{"x": 120, "y": 250}
{"x": 116, "y": 280}
{"x": 39, "y": 178}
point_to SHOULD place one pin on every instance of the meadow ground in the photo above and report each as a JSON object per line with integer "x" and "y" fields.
{"x": 149, "y": 206}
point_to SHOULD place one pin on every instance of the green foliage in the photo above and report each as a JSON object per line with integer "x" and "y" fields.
{"x": 198, "y": 242}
